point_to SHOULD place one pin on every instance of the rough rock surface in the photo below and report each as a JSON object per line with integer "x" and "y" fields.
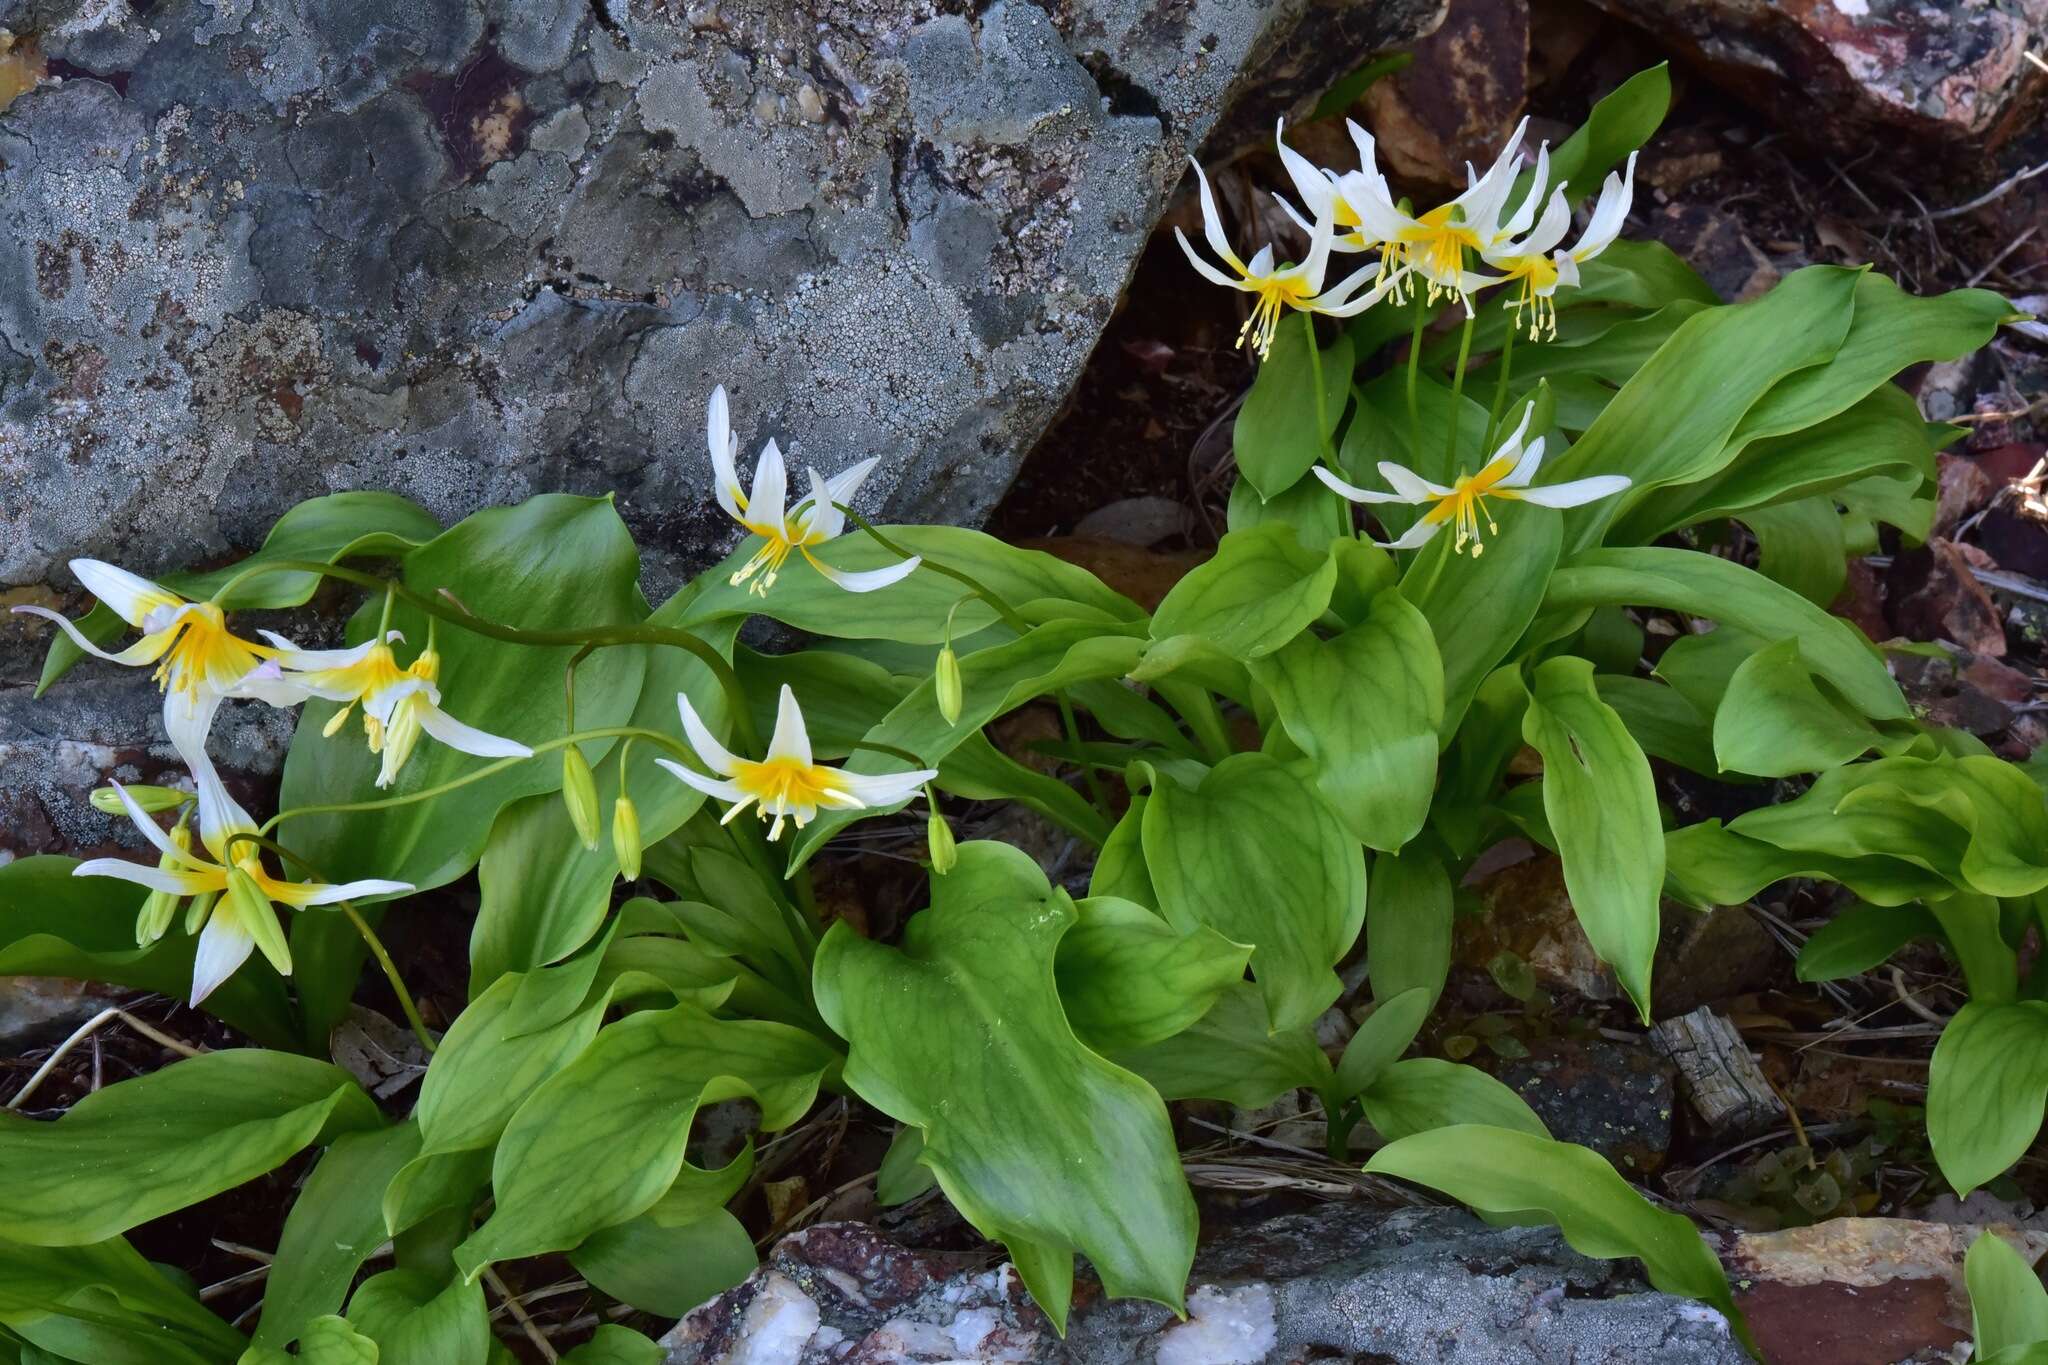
{"x": 1418, "y": 1286}
{"x": 469, "y": 250}
{"x": 1952, "y": 77}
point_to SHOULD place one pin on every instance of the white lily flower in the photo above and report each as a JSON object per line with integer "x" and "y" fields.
{"x": 235, "y": 888}
{"x": 1538, "y": 262}
{"x": 199, "y": 660}
{"x": 786, "y": 785}
{"x": 1325, "y": 193}
{"x": 764, "y": 509}
{"x": 1277, "y": 288}
{"x": 398, "y": 703}
{"x": 1506, "y": 476}
{"x": 1435, "y": 244}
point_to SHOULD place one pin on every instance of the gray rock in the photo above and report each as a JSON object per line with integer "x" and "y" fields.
{"x": 1413, "y": 1286}
{"x": 470, "y": 250}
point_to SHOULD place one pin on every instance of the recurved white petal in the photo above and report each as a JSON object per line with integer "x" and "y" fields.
{"x": 289, "y": 655}
{"x": 715, "y": 755}
{"x": 1207, "y": 271}
{"x": 867, "y": 580}
{"x": 316, "y": 893}
{"x": 1616, "y": 194}
{"x": 1420, "y": 534}
{"x": 724, "y": 447}
{"x": 148, "y": 828}
{"x": 176, "y": 883}
{"x": 1212, "y": 222}
{"x": 768, "y": 503}
{"x": 1576, "y": 492}
{"x": 131, "y": 596}
{"x": 1353, "y": 491}
{"x": 791, "y": 740}
{"x": 710, "y": 786}
{"x": 885, "y": 789}
{"x": 468, "y": 738}
{"x": 1526, "y": 467}
{"x": 147, "y": 650}
{"x": 1411, "y": 486}
{"x": 224, "y": 945}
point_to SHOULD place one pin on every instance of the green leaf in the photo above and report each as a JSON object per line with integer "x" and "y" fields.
{"x": 1408, "y": 926}
{"x": 1314, "y": 510}
{"x": 1533, "y": 1180}
{"x": 2008, "y": 1306}
{"x": 213, "y": 1121}
{"x": 1233, "y": 1054}
{"x": 55, "y": 924}
{"x": 1253, "y": 854}
{"x": 1129, "y": 979}
{"x": 1618, "y": 124}
{"x": 331, "y": 1230}
{"x": 552, "y": 562}
{"x": 1038, "y": 1141}
{"x": 1644, "y": 275}
{"x": 1602, "y": 805}
{"x": 1986, "y": 1086}
{"x": 1277, "y": 438}
{"x": 1672, "y": 421}
{"x": 1347, "y": 91}
{"x": 915, "y": 610}
{"x": 327, "y": 1340}
{"x": 339, "y": 526}
{"x": 602, "y": 1140}
{"x": 667, "y": 1270}
{"x": 1776, "y": 720}
{"x": 1485, "y": 739}
{"x": 1662, "y": 720}
{"x": 1860, "y": 937}
{"x": 1800, "y": 545}
{"x": 1703, "y": 585}
{"x": 416, "y": 1319}
{"x": 1261, "y": 590}
{"x": 1365, "y": 708}
{"x": 994, "y": 681}
{"x": 1710, "y": 865}
{"x": 1480, "y": 607}
{"x": 104, "y": 1305}
{"x": 615, "y": 1345}
{"x": 978, "y": 771}
{"x": 903, "y": 1175}
{"x": 1423, "y": 1094}
{"x": 1381, "y": 1039}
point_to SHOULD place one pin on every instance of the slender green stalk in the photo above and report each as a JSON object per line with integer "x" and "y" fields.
{"x": 971, "y": 583}
{"x": 1500, "y": 391}
{"x": 1414, "y": 373}
{"x": 1458, "y": 392}
{"x": 1096, "y": 793}
{"x": 1315, "y": 361}
{"x": 674, "y": 746}
{"x": 384, "y": 618}
{"x": 596, "y": 637}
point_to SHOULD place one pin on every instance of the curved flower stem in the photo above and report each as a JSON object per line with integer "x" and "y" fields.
{"x": 595, "y": 636}
{"x": 1315, "y": 362}
{"x": 973, "y": 585}
{"x": 362, "y": 927}
{"x": 1500, "y": 388}
{"x": 675, "y": 747}
{"x": 1414, "y": 371}
{"x": 1458, "y": 392}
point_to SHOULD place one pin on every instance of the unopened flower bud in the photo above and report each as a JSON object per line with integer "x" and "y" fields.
{"x": 947, "y": 684}
{"x": 626, "y": 837}
{"x": 252, "y": 909}
{"x": 197, "y": 912}
{"x": 579, "y": 794}
{"x": 159, "y": 906}
{"x": 938, "y": 837}
{"x": 152, "y": 799}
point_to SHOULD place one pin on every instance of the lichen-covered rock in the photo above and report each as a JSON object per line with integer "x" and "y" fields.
{"x": 1952, "y": 77}
{"x": 1418, "y": 1286}
{"x": 469, "y": 250}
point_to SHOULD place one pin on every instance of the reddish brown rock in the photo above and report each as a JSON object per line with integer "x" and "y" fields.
{"x": 1953, "y": 78}
{"x": 1964, "y": 488}
{"x": 1947, "y": 603}
{"x": 1460, "y": 97}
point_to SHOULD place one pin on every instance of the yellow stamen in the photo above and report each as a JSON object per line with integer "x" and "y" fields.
{"x": 1465, "y": 504}
{"x": 1434, "y": 248}
{"x": 205, "y": 650}
{"x": 1275, "y": 295}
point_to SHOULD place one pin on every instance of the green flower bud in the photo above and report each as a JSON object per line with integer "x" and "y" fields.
{"x": 626, "y": 837}
{"x": 199, "y": 910}
{"x": 947, "y": 680}
{"x": 252, "y": 908}
{"x": 158, "y": 909}
{"x": 107, "y": 801}
{"x": 938, "y": 837}
{"x": 579, "y": 793}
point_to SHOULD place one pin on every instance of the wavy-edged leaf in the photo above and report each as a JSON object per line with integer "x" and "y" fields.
{"x": 105, "y": 1304}
{"x": 1601, "y": 805}
{"x": 1262, "y": 588}
{"x": 616, "y": 1345}
{"x": 1232, "y": 1053}
{"x": 1986, "y": 1086}
{"x": 332, "y": 1228}
{"x": 211, "y": 1122}
{"x": 1775, "y": 719}
{"x": 1421, "y": 1094}
{"x": 1037, "y": 1140}
{"x": 416, "y": 1319}
{"x": 1129, "y": 979}
{"x": 667, "y": 1270}
{"x": 1255, "y": 855}
{"x": 1860, "y": 937}
{"x": 1708, "y": 864}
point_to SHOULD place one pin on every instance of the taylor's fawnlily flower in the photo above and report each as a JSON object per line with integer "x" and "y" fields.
{"x": 199, "y": 660}
{"x": 786, "y": 785}
{"x": 1438, "y": 244}
{"x": 1537, "y": 262}
{"x": 764, "y": 510}
{"x": 1279, "y": 287}
{"x": 232, "y": 879}
{"x": 398, "y": 703}
{"x": 1506, "y": 476}
{"x": 1328, "y": 194}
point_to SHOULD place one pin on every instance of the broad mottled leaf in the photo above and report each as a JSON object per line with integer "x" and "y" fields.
{"x": 1709, "y": 864}
{"x": 1038, "y": 1141}
{"x": 2008, "y": 1306}
{"x": 1986, "y": 1086}
{"x": 416, "y": 1319}
{"x": 1129, "y": 979}
{"x": 1601, "y": 805}
{"x": 1421, "y": 1094}
{"x": 1408, "y": 925}
{"x": 1253, "y": 854}
{"x": 334, "y": 1225}
{"x": 1261, "y": 590}
{"x": 213, "y": 1121}
{"x": 1277, "y": 437}
{"x": 105, "y": 1305}
{"x": 1526, "y": 1179}
{"x": 616, "y": 1345}
{"x": 1861, "y": 937}
{"x": 1232, "y": 1053}
{"x": 667, "y": 1270}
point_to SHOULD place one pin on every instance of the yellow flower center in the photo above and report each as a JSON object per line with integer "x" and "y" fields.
{"x": 1275, "y": 296}
{"x": 1435, "y": 247}
{"x": 205, "y": 651}
{"x": 784, "y": 787}
{"x": 1465, "y": 504}
{"x": 1538, "y": 293}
